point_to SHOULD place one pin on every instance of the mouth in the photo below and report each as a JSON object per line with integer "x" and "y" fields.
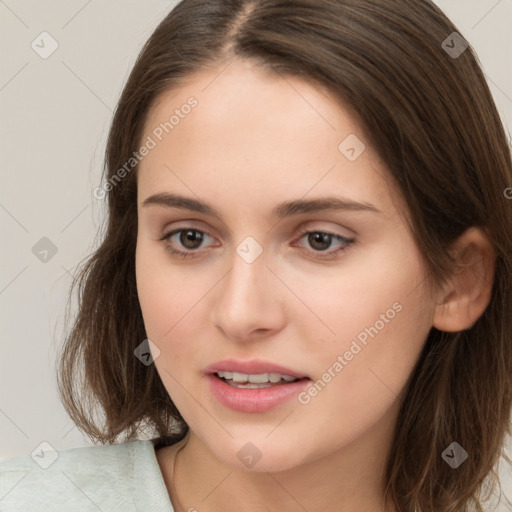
{"x": 258, "y": 370}
{"x": 256, "y": 380}
{"x": 253, "y": 386}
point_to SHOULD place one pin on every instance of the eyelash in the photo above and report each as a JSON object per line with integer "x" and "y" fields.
{"x": 320, "y": 255}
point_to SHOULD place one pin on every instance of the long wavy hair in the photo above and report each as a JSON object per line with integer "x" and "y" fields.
{"x": 429, "y": 113}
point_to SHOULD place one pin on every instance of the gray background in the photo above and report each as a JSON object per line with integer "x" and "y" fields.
{"x": 55, "y": 114}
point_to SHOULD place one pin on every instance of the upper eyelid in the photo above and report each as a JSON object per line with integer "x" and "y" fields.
{"x": 190, "y": 224}
{"x": 171, "y": 232}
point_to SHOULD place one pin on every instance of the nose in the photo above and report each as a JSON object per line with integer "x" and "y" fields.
{"x": 249, "y": 301}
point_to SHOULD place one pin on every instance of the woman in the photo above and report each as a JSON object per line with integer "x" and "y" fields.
{"x": 303, "y": 296}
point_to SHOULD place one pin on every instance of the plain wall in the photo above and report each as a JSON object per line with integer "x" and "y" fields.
{"x": 55, "y": 114}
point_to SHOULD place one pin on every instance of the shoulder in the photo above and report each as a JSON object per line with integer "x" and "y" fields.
{"x": 121, "y": 477}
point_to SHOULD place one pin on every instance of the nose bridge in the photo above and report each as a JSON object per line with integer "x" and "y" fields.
{"x": 247, "y": 278}
{"x": 244, "y": 302}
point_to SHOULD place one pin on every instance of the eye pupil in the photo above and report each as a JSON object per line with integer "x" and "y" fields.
{"x": 191, "y": 239}
{"x": 319, "y": 238}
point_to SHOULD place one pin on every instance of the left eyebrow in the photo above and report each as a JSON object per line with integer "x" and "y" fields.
{"x": 299, "y": 206}
{"x": 282, "y": 210}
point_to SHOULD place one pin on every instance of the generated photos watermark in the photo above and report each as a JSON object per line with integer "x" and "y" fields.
{"x": 149, "y": 144}
{"x": 357, "y": 345}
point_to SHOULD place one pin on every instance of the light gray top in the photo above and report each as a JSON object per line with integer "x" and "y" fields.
{"x": 124, "y": 477}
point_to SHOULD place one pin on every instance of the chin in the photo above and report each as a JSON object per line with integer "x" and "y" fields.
{"x": 258, "y": 457}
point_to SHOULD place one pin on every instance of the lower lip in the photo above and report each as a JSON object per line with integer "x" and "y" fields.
{"x": 254, "y": 400}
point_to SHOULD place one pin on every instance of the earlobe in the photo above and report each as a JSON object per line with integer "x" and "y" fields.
{"x": 467, "y": 293}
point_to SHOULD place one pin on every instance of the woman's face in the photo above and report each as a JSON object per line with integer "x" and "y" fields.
{"x": 337, "y": 295}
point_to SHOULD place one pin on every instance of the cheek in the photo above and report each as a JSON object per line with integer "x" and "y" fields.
{"x": 165, "y": 294}
{"x": 174, "y": 303}
{"x": 367, "y": 383}
{"x": 376, "y": 291}
{"x": 169, "y": 318}
{"x": 382, "y": 315}
{"x": 154, "y": 295}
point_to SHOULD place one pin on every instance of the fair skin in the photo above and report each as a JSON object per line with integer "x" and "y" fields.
{"x": 253, "y": 142}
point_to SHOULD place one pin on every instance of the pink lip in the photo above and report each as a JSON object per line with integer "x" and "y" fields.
{"x": 254, "y": 366}
{"x": 254, "y": 400}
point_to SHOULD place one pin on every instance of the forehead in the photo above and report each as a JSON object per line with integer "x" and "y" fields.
{"x": 257, "y": 135}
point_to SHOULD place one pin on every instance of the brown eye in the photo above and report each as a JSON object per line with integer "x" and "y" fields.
{"x": 191, "y": 238}
{"x": 320, "y": 241}
{"x": 185, "y": 242}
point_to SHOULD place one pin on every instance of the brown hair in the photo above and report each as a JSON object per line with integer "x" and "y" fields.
{"x": 431, "y": 117}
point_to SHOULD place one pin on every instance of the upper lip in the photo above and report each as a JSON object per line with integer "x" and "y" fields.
{"x": 254, "y": 366}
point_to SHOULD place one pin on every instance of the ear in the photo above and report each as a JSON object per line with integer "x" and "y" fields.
{"x": 467, "y": 293}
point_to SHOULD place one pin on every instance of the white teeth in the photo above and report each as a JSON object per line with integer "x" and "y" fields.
{"x": 257, "y": 378}
{"x": 239, "y": 377}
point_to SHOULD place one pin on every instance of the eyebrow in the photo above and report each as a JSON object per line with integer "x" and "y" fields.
{"x": 285, "y": 209}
